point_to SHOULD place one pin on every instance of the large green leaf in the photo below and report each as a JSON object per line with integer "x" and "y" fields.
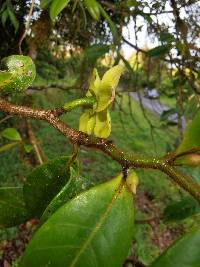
{"x": 183, "y": 253}
{"x": 12, "y": 206}
{"x": 75, "y": 185}
{"x": 44, "y": 183}
{"x": 191, "y": 136}
{"x": 57, "y": 6}
{"x": 93, "y": 229}
{"x": 179, "y": 210}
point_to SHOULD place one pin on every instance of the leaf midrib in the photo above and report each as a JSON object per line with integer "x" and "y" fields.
{"x": 99, "y": 224}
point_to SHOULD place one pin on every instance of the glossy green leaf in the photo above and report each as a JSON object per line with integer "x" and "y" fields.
{"x": 75, "y": 185}
{"x": 23, "y": 73}
{"x": 93, "y": 229}
{"x": 12, "y": 206}
{"x": 102, "y": 127}
{"x": 44, "y": 183}
{"x": 191, "y": 136}
{"x": 11, "y": 134}
{"x": 183, "y": 253}
{"x": 159, "y": 51}
{"x": 179, "y": 210}
{"x": 93, "y": 8}
{"x": 95, "y": 51}
{"x": 57, "y": 6}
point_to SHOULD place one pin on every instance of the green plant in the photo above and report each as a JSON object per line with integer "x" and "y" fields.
{"x": 76, "y": 216}
{"x": 81, "y": 222}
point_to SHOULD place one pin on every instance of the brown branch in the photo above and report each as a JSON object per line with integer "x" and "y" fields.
{"x": 125, "y": 159}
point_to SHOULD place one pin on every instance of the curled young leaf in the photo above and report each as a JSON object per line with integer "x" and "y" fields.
{"x": 17, "y": 73}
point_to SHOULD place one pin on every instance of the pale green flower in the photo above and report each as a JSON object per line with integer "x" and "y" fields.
{"x": 97, "y": 120}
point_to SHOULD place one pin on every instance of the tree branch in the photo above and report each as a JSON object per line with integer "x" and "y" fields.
{"x": 125, "y": 159}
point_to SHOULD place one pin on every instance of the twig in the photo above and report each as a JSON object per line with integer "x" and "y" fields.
{"x": 5, "y": 118}
{"x": 26, "y": 26}
{"x": 104, "y": 145}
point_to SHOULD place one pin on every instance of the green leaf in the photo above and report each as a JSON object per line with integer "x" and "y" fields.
{"x": 113, "y": 28}
{"x": 44, "y": 183}
{"x": 191, "y": 136}
{"x": 4, "y": 17}
{"x": 93, "y": 229}
{"x": 11, "y": 134}
{"x": 95, "y": 51}
{"x": 75, "y": 185}
{"x": 106, "y": 91}
{"x": 183, "y": 253}
{"x": 12, "y": 207}
{"x": 159, "y": 51}
{"x": 179, "y": 210}
{"x": 20, "y": 73}
{"x": 57, "y": 6}
{"x": 8, "y": 146}
{"x": 13, "y": 19}
{"x": 28, "y": 148}
{"x": 93, "y": 8}
{"x": 166, "y": 37}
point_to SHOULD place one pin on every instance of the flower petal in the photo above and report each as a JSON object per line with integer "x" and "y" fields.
{"x": 91, "y": 124}
{"x": 84, "y": 121}
{"x": 106, "y": 91}
{"x": 94, "y": 83}
{"x": 102, "y": 127}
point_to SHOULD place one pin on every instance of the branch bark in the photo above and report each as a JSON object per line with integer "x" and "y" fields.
{"x": 125, "y": 159}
